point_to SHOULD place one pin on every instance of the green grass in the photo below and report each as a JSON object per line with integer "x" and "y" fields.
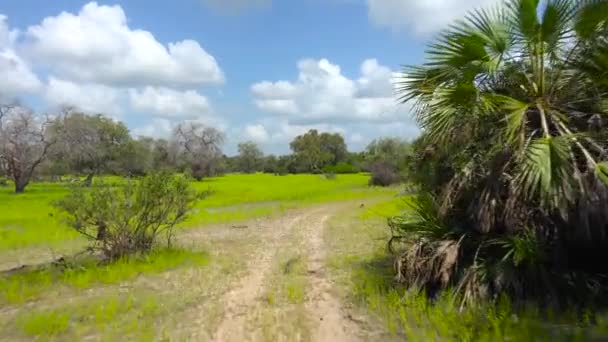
{"x": 23, "y": 286}
{"x": 240, "y": 196}
{"x": 386, "y": 208}
{"x": 361, "y": 266}
{"x": 113, "y": 316}
{"x": 294, "y": 280}
{"x": 44, "y": 323}
{"x": 29, "y": 219}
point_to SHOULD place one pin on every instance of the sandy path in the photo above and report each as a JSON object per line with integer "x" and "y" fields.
{"x": 244, "y": 301}
{"x": 321, "y": 303}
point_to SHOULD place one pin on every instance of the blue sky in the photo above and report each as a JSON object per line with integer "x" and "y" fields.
{"x": 260, "y": 70}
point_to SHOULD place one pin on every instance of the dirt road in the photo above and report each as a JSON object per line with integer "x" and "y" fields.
{"x": 266, "y": 280}
{"x": 246, "y": 303}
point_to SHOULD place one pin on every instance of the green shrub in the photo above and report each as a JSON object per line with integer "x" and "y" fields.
{"x": 383, "y": 175}
{"x": 330, "y": 176}
{"x": 340, "y": 168}
{"x": 129, "y": 219}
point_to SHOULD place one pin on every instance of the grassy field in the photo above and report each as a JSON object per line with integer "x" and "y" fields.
{"x": 173, "y": 293}
{"x": 178, "y": 293}
{"x": 29, "y": 219}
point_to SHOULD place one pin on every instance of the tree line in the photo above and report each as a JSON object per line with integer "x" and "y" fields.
{"x": 73, "y": 143}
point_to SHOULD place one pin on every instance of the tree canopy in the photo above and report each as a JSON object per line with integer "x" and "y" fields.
{"x": 313, "y": 151}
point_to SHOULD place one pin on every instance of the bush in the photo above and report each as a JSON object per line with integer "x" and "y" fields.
{"x": 383, "y": 175}
{"x": 198, "y": 172}
{"x": 330, "y": 176}
{"x": 340, "y": 168}
{"x": 129, "y": 219}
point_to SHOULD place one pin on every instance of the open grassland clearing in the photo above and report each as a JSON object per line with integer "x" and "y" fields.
{"x": 258, "y": 272}
{"x": 29, "y": 221}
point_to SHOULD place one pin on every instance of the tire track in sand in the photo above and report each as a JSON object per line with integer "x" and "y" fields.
{"x": 322, "y": 305}
{"x": 242, "y": 301}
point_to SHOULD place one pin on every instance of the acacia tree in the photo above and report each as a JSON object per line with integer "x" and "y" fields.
{"x": 511, "y": 102}
{"x": 137, "y": 157}
{"x": 199, "y": 147}
{"x": 91, "y": 144}
{"x": 163, "y": 155}
{"x": 250, "y": 157}
{"x": 24, "y": 143}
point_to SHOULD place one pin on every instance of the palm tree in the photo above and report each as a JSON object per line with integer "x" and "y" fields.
{"x": 512, "y": 103}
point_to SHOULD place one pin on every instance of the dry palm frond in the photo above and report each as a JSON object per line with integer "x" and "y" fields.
{"x": 429, "y": 264}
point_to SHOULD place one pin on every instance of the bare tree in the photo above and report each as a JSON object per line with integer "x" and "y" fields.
{"x": 24, "y": 143}
{"x": 199, "y": 146}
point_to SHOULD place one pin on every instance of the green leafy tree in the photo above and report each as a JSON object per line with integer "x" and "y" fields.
{"x": 270, "y": 164}
{"x": 250, "y": 157}
{"x": 163, "y": 155}
{"x": 90, "y": 144}
{"x": 334, "y": 145}
{"x": 511, "y": 102}
{"x": 313, "y": 151}
{"x": 137, "y": 157}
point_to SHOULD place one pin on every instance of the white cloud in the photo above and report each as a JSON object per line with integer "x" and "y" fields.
{"x": 421, "y": 16}
{"x": 278, "y": 106}
{"x": 157, "y": 128}
{"x": 323, "y": 98}
{"x": 275, "y": 135}
{"x": 257, "y": 133}
{"x": 95, "y": 62}
{"x": 96, "y": 45}
{"x": 164, "y": 102}
{"x": 277, "y": 90}
{"x": 93, "y": 98}
{"x": 376, "y": 80}
{"x": 7, "y": 36}
{"x": 163, "y": 127}
{"x": 17, "y": 77}
{"x": 322, "y": 94}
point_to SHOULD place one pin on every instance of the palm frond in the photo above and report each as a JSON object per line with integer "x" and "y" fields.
{"x": 516, "y": 117}
{"x": 601, "y": 172}
{"x": 556, "y": 23}
{"x": 591, "y": 18}
{"x": 420, "y": 219}
{"x": 547, "y": 171}
{"x": 523, "y": 17}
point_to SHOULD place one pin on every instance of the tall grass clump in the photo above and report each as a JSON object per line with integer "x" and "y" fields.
{"x": 512, "y": 161}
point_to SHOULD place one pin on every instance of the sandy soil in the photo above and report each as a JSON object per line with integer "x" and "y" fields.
{"x": 244, "y": 299}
